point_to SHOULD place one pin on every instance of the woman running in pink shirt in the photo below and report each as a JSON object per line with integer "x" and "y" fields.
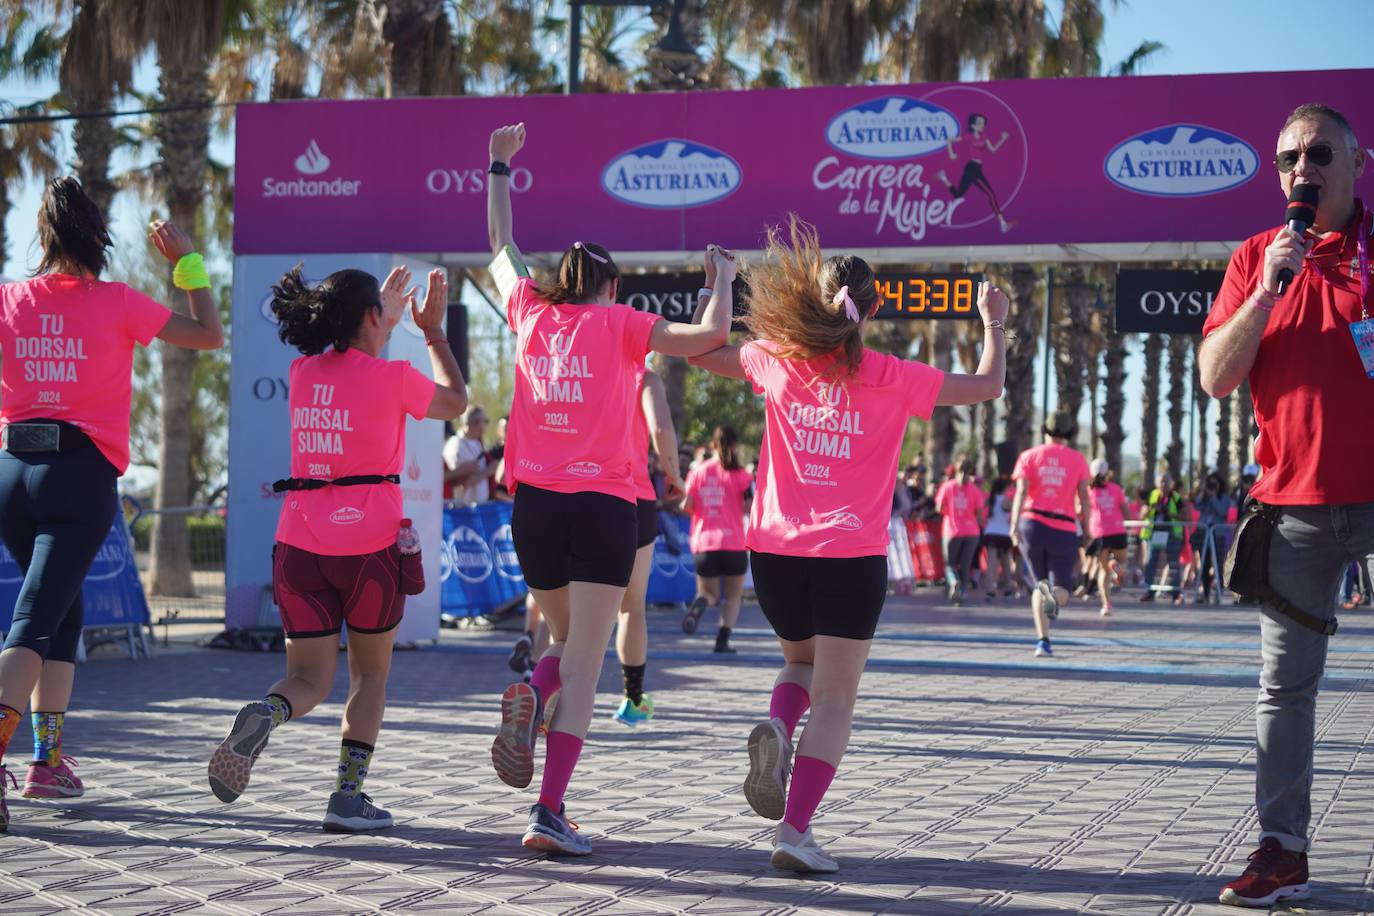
{"x": 337, "y": 560}
{"x": 578, "y": 362}
{"x": 68, "y": 341}
{"x": 1107, "y": 552}
{"x": 718, "y": 494}
{"x": 836, "y": 415}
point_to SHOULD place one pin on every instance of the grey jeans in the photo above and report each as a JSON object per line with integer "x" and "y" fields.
{"x": 1311, "y": 549}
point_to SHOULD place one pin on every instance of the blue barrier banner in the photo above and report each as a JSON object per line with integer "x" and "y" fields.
{"x": 478, "y": 569}
{"x": 674, "y": 575}
{"x": 112, "y": 593}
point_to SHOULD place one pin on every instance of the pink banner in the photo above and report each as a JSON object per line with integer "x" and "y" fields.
{"x": 1083, "y": 161}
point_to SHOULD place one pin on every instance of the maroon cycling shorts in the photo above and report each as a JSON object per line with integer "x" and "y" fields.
{"x": 317, "y": 594}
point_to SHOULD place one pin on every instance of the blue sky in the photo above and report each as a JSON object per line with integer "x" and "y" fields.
{"x": 1202, "y": 36}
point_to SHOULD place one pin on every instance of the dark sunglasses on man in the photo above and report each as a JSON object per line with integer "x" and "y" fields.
{"x": 1318, "y": 154}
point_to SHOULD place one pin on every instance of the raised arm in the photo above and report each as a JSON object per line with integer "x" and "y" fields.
{"x": 677, "y": 339}
{"x": 505, "y": 143}
{"x": 987, "y": 382}
{"x": 201, "y": 329}
{"x": 450, "y": 391}
{"x": 654, "y": 405}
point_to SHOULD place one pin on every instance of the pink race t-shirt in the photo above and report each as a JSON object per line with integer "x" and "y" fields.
{"x": 1107, "y": 515}
{"x": 1052, "y": 473}
{"x": 576, "y": 394}
{"x": 717, "y": 497}
{"x": 348, "y": 418}
{"x": 958, "y": 505}
{"x": 644, "y": 486}
{"x": 68, "y": 354}
{"x": 830, "y": 449}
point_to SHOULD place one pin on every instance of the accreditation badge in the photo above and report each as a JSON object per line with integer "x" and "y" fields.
{"x": 1363, "y": 332}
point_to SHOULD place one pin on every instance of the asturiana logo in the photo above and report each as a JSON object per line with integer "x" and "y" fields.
{"x": 671, "y": 174}
{"x": 584, "y": 469}
{"x": 310, "y": 162}
{"x": 346, "y": 515}
{"x": 1182, "y": 160}
{"x": 846, "y": 520}
{"x": 892, "y": 127}
{"x": 470, "y": 554}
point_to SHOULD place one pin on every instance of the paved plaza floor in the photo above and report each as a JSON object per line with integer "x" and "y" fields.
{"x": 1115, "y": 778}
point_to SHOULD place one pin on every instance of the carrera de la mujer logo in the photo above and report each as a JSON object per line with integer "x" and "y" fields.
{"x": 1181, "y": 160}
{"x": 671, "y": 174}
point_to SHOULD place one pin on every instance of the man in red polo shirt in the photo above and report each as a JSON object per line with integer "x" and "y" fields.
{"x": 1312, "y": 397}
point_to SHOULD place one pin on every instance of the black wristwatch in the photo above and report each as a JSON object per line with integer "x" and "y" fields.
{"x": 498, "y": 167}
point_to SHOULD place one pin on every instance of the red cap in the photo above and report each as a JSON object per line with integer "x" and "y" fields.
{"x": 406, "y": 523}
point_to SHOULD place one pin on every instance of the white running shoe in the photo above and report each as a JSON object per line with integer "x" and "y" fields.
{"x": 800, "y": 852}
{"x": 770, "y": 766}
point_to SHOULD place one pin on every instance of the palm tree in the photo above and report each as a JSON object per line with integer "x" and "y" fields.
{"x": 1071, "y": 328}
{"x": 28, "y": 151}
{"x": 1222, "y": 463}
{"x": 1114, "y": 399}
{"x": 419, "y": 48}
{"x": 1242, "y": 426}
{"x": 1149, "y": 429}
{"x": 1023, "y": 287}
{"x": 1179, "y": 346}
{"x": 96, "y": 68}
{"x": 1200, "y": 400}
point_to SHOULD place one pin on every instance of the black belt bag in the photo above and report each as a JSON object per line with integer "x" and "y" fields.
{"x": 43, "y": 436}
{"x": 315, "y": 483}
{"x": 1246, "y": 568}
{"x": 1057, "y": 516}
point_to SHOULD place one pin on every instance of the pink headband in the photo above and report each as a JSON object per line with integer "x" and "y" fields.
{"x": 843, "y": 296}
{"x": 591, "y": 254}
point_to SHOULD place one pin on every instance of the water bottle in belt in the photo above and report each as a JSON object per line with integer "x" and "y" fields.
{"x": 412, "y": 567}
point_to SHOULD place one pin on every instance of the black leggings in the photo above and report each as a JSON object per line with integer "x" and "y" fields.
{"x": 973, "y": 177}
{"x": 55, "y": 513}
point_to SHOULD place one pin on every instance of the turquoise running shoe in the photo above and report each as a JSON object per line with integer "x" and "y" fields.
{"x": 631, "y": 715}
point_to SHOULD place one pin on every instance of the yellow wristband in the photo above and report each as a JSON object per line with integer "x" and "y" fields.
{"x": 190, "y": 272}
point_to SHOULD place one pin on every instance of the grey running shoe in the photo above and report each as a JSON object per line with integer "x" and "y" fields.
{"x": 519, "y": 660}
{"x": 1051, "y": 604}
{"x": 4, "y": 808}
{"x": 693, "y": 615}
{"x": 770, "y": 766}
{"x": 554, "y": 833}
{"x": 512, "y": 753}
{"x": 800, "y": 852}
{"x": 231, "y": 765}
{"x": 354, "y": 814}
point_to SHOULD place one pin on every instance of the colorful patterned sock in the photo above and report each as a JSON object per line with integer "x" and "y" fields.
{"x": 561, "y": 751}
{"x": 280, "y": 706}
{"x": 9, "y": 721}
{"x": 47, "y": 737}
{"x": 634, "y": 682}
{"x": 811, "y": 778}
{"x": 789, "y": 703}
{"x": 545, "y": 678}
{"x": 354, "y": 759}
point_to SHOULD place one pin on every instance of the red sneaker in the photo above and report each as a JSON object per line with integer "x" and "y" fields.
{"x": 1274, "y": 874}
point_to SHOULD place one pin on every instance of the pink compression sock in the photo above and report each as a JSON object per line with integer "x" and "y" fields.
{"x": 810, "y": 778}
{"x": 545, "y": 678}
{"x": 561, "y": 751}
{"x": 789, "y": 703}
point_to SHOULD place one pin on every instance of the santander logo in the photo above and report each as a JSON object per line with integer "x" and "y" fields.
{"x": 346, "y": 515}
{"x": 584, "y": 469}
{"x": 1181, "y": 160}
{"x": 847, "y": 520}
{"x": 312, "y": 161}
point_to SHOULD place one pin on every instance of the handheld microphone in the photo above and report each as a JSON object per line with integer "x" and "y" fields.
{"x": 1300, "y": 215}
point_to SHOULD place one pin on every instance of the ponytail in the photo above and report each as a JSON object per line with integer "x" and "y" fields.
{"x": 328, "y": 315}
{"x": 726, "y": 444}
{"x": 584, "y": 269}
{"x": 71, "y": 229}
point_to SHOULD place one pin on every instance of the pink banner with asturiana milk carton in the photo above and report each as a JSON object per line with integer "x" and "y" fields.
{"x": 1034, "y": 162}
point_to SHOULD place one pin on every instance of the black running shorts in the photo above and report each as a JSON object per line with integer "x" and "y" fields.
{"x": 573, "y": 537}
{"x": 646, "y": 518}
{"x": 716, "y": 563}
{"x": 804, "y": 597}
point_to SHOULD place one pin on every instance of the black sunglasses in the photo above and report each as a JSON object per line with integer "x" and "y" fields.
{"x": 1318, "y": 154}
